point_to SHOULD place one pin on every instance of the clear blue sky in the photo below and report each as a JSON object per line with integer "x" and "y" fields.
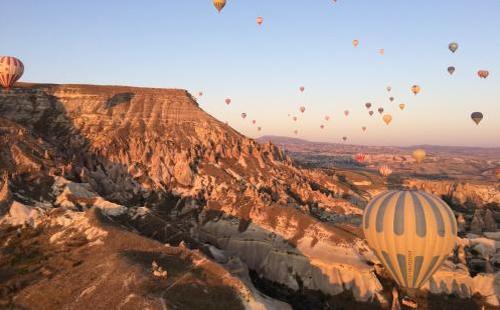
{"x": 187, "y": 44}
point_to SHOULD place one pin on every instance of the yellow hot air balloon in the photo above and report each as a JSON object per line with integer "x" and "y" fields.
{"x": 411, "y": 233}
{"x": 387, "y": 119}
{"x": 402, "y": 106}
{"x": 419, "y": 155}
{"x": 415, "y": 89}
{"x": 219, "y": 4}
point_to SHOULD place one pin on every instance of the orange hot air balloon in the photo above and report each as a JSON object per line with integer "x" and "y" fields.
{"x": 360, "y": 157}
{"x": 419, "y": 155}
{"x": 370, "y": 112}
{"x": 295, "y": 118}
{"x": 219, "y": 4}
{"x": 483, "y": 74}
{"x": 260, "y": 20}
{"x": 385, "y": 171}
{"x": 415, "y": 89}
{"x": 11, "y": 70}
{"x": 254, "y": 121}
{"x": 302, "y": 109}
{"x": 355, "y": 43}
{"x": 228, "y": 101}
{"x": 363, "y": 128}
{"x": 327, "y": 118}
{"x": 322, "y": 126}
{"x": 402, "y": 106}
{"x": 346, "y": 112}
{"x": 302, "y": 88}
{"x": 387, "y": 119}
{"x": 381, "y": 51}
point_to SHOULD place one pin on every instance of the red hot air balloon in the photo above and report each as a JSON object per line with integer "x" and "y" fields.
{"x": 228, "y": 101}
{"x": 302, "y": 109}
{"x": 302, "y": 88}
{"x": 11, "y": 70}
{"x": 346, "y": 112}
{"x": 254, "y": 121}
{"x": 260, "y": 20}
{"x": 322, "y": 126}
{"x": 360, "y": 157}
{"x": 483, "y": 74}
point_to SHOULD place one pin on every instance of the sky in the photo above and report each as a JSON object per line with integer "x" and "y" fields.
{"x": 187, "y": 44}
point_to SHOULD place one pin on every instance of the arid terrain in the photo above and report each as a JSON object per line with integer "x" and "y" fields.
{"x": 118, "y": 197}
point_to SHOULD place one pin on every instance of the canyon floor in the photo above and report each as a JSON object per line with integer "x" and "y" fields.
{"x": 135, "y": 198}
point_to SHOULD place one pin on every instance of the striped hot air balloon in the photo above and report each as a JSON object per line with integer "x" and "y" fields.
{"x": 11, "y": 70}
{"x": 385, "y": 171}
{"x": 411, "y": 233}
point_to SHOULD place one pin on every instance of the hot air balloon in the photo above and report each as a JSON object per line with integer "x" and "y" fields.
{"x": 381, "y": 51}
{"x": 453, "y": 46}
{"x": 402, "y": 106}
{"x": 200, "y": 94}
{"x": 260, "y": 20}
{"x": 363, "y": 128}
{"x": 322, "y": 126}
{"x": 355, "y": 43}
{"x": 380, "y": 110}
{"x": 389, "y": 88}
{"x": 259, "y": 128}
{"x": 327, "y": 118}
{"x": 483, "y": 74}
{"x": 497, "y": 173}
{"x": 387, "y": 119}
{"x": 228, "y": 101}
{"x": 385, "y": 171}
{"x": 368, "y": 105}
{"x": 411, "y": 233}
{"x": 391, "y": 99}
{"x": 344, "y": 138}
{"x": 243, "y": 115}
{"x": 294, "y": 118}
{"x": 371, "y": 113}
{"x": 419, "y": 155}
{"x": 302, "y": 109}
{"x": 302, "y": 88}
{"x": 295, "y": 131}
{"x": 451, "y": 70}
{"x": 477, "y": 117}
{"x": 415, "y": 89}
{"x": 254, "y": 121}
{"x": 346, "y": 112}
{"x": 360, "y": 157}
{"x": 219, "y": 4}
{"x": 11, "y": 70}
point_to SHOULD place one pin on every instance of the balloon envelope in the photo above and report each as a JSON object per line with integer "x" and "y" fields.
{"x": 368, "y": 105}
{"x": 477, "y": 117}
{"x": 415, "y": 89}
{"x": 483, "y": 73}
{"x": 260, "y": 20}
{"x": 380, "y": 110}
{"x": 243, "y": 115}
{"x": 402, "y": 106}
{"x": 419, "y": 155}
{"x": 387, "y": 119}
{"x": 11, "y": 70}
{"x": 219, "y": 4}
{"x": 451, "y": 70}
{"x": 302, "y": 109}
{"x": 355, "y": 43}
{"x": 411, "y": 233}
{"x": 385, "y": 171}
{"x": 453, "y": 46}
{"x": 370, "y": 112}
{"x": 228, "y": 100}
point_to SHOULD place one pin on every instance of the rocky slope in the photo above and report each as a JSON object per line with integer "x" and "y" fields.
{"x": 157, "y": 165}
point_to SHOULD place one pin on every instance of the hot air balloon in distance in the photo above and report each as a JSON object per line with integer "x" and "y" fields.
{"x": 363, "y": 128}
{"x": 368, "y": 105}
{"x": 371, "y": 113}
{"x": 294, "y": 118}
{"x": 260, "y": 20}
{"x": 360, "y": 157}
{"x": 389, "y": 88}
{"x": 391, "y": 99}
{"x": 451, "y": 70}
{"x": 385, "y": 171}
{"x": 387, "y": 119}
{"x": 11, "y": 70}
{"x": 453, "y": 46}
{"x": 380, "y": 110}
{"x": 200, "y": 94}
{"x": 419, "y": 155}
{"x": 381, "y": 51}
{"x": 254, "y": 121}
{"x": 477, "y": 117}
{"x": 327, "y": 118}
{"x": 344, "y": 138}
{"x": 219, "y": 4}
{"x": 483, "y": 73}
{"x": 259, "y": 128}
{"x": 346, "y": 112}
{"x": 497, "y": 173}
{"x": 401, "y": 226}
{"x": 415, "y": 89}
{"x": 295, "y": 131}
{"x": 402, "y": 106}
{"x": 243, "y": 115}
{"x": 228, "y": 101}
{"x": 355, "y": 43}
{"x": 322, "y": 126}
{"x": 302, "y": 88}
{"x": 302, "y": 109}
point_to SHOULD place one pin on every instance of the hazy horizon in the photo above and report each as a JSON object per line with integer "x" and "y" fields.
{"x": 189, "y": 45}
